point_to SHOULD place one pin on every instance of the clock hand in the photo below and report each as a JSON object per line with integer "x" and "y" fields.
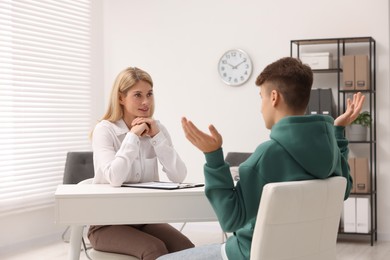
{"x": 235, "y": 67}
{"x": 230, "y": 65}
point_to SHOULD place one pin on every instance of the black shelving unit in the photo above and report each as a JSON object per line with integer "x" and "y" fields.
{"x": 341, "y": 47}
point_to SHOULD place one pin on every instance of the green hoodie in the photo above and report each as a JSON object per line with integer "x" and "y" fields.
{"x": 301, "y": 148}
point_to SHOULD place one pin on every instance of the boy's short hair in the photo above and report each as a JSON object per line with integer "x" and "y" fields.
{"x": 293, "y": 80}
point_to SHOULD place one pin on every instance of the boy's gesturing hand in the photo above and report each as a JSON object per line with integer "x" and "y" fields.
{"x": 204, "y": 142}
{"x": 354, "y": 107}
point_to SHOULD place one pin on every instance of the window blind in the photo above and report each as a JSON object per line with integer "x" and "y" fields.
{"x": 45, "y": 90}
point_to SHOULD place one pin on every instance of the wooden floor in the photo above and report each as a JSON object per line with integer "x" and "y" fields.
{"x": 200, "y": 234}
{"x": 356, "y": 249}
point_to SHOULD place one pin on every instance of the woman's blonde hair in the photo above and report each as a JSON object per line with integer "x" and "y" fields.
{"x": 125, "y": 80}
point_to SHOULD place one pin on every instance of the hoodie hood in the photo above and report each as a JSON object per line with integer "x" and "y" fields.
{"x": 310, "y": 142}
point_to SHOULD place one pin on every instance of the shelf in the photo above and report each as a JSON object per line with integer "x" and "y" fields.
{"x": 327, "y": 71}
{"x": 362, "y": 142}
{"x": 334, "y": 41}
{"x": 355, "y": 233}
{"x": 340, "y": 47}
{"x": 362, "y": 194}
{"x": 361, "y": 90}
{"x": 371, "y": 234}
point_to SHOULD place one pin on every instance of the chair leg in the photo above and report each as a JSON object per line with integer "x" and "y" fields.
{"x": 64, "y": 233}
{"x": 86, "y": 249}
{"x": 224, "y": 237}
{"x": 182, "y": 227}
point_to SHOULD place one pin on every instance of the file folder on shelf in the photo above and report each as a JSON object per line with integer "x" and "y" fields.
{"x": 362, "y": 73}
{"x": 350, "y": 215}
{"x": 362, "y": 175}
{"x": 363, "y": 217}
{"x": 326, "y": 102}
{"x": 313, "y": 107}
{"x": 351, "y": 162}
{"x": 321, "y": 102}
{"x": 348, "y": 72}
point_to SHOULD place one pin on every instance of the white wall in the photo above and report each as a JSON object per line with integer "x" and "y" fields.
{"x": 180, "y": 42}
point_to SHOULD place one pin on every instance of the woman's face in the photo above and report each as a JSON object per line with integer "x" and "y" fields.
{"x": 138, "y": 101}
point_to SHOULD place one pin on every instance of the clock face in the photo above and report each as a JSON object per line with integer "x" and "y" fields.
{"x": 235, "y": 67}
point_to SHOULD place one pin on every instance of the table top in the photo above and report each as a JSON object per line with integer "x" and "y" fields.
{"x": 89, "y": 190}
{"x": 102, "y": 204}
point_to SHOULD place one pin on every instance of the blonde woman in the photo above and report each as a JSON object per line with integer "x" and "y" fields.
{"x": 127, "y": 143}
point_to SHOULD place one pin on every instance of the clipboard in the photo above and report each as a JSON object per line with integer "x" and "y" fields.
{"x": 162, "y": 185}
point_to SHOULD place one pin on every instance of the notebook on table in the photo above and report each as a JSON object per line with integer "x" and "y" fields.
{"x": 162, "y": 185}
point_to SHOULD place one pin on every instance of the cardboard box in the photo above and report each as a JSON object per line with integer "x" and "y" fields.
{"x": 348, "y": 72}
{"x": 356, "y": 72}
{"x": 362, "y": 174}
{"x": 318, "y": 60}
{"x": 351, "y": 162}
{"x": 362, "y": 72}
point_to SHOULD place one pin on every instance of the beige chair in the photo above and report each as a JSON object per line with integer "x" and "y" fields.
{"x": 79, "y": 170}
{"x": 299, "y": 220}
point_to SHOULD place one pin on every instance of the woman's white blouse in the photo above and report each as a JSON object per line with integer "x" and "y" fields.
{"x": 120, "y": 156}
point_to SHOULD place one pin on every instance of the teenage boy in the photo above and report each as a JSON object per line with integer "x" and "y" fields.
{"x": 301, "y": 147}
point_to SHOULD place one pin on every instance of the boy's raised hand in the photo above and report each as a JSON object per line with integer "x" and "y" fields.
{"x": 354, "y": 107}
{"x": 204, "y": 142}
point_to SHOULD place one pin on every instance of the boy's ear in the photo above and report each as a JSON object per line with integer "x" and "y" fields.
{"x": 275, "y": 97}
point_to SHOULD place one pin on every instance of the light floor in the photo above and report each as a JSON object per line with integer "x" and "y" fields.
{"x": 206, "y": 233}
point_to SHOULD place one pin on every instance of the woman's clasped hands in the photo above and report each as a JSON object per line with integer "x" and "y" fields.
{"x": 143, "y": 126}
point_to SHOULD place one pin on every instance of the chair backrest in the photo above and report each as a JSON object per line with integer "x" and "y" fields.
{"x": 78, "y": 167}
{"x": 299, "y": 220}
{"x": 235, "y": 158}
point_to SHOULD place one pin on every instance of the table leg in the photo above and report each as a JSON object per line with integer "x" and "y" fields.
{"x": 75, "y": 242}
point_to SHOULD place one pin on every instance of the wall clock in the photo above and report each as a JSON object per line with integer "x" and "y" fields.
{"x": 235, "y": 67}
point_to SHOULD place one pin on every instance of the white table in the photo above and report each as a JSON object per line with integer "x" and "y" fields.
{"x": 101, "y": 204}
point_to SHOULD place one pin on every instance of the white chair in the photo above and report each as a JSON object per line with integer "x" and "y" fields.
{"x": 100, "y": 255}
{"x": 299, "y": 220}
{"x": 79, "y": 169}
